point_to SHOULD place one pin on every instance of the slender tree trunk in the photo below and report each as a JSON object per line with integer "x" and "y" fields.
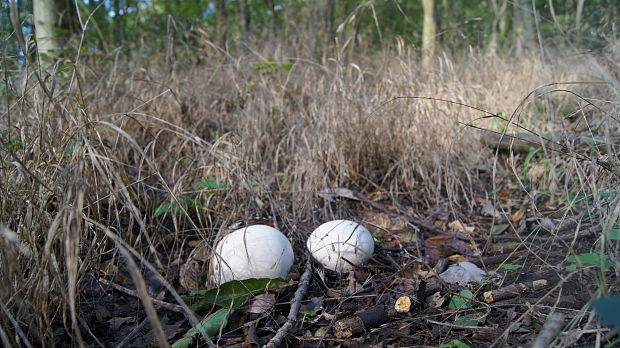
{"x": 428, "y": 32}
{"x": 45, "y": 22}
{"x": 498, "y": 26}
{"x": 447, "y": 24}
{"x": 274, "y": 18}
{"x": 246, "y": 15}
{"x": 330, "y": 18}
{"x": 523, "y": 26}
{"x": 578, "y": 17}
{"x": 222, "y": 23}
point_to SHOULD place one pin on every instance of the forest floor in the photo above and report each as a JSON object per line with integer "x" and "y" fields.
{"x": 118, "y": 179}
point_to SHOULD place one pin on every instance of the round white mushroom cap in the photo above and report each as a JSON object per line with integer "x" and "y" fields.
{"x": 340, "y": 245}
{"x": 256, "y": 251}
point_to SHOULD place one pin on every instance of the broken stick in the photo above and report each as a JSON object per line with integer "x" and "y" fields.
{"x": 514, "y": 290}
{"x": 292, "y": 314}
{"x": 361, "y": 322}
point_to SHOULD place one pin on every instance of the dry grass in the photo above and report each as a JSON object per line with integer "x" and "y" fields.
{"x": 119, "y": 137}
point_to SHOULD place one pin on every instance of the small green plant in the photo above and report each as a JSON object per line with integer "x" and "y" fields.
{"x": 462, "y": 300}
{"x": 173, "y": 206}
{"x": 306, "y": 314}
{"x": 588, "y": 259}
{"x": 229, "y": 296}
{"x": 269, "y": 67}
{"x": 14, "y": 143}
{"x": 534, "y": 159}
{"x": 470, "y": 320}
{"x": 510, "y": 267}
{"x": 455, "y": 344}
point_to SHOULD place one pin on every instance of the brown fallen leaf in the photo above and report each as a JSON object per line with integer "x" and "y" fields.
{"x": 518, "y": 215}
{"x": 443, "y": 245}
{"x": 262, "y": 303}
{"x": 458, "y": 226}
{"x": 193, "y": 273}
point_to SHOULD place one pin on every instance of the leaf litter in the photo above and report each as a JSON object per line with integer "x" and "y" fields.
{"x": 401, "y": 291}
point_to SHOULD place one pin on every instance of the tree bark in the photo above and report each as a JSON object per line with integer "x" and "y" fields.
{"x": 222, "y": 23}
{"x": 45, "y": 15}
{"x": 523, "y": 26}
{"x": 498, "y": 26}
{"x": 428, "y": 32}
{"x": 578, "y": 17}
{"x": 246, "y": 15}
{"x": 330, "y": 18}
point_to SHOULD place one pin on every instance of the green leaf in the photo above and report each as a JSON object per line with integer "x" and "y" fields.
{"x": 455, "y": 344}
{"x": 171, "y": 206}
{"x": 498, "y": 229}
{"x": 210, "y": 183}
{"x": 280, "y": 174}
{"x": 183, "y": 342}
{"x": 163, "y": 208}
{"x": 510, "y": 267}
{"x": 614, "y": 234}
{"x": 571, "y": 268}
{"x": 14, "y": 143}
{"x": 212, "y": 324}
{"x": 461, "y": 300}
{"x": 469, "y": 320}
{"x": 236, "y": 293}
{"x": 608, "y": 308}
{"x": 591, "y": 259}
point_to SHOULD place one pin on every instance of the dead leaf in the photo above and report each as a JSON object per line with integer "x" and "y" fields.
{"x": 331, "y": 194}
{"x": 262, "y": 303}
{"x": 193, "y": 273}
{"x": 321, "y": 332}
{"x": 458, "y": 226}
{"x": 116, "y": 323}
{"x": 442, "y": 245}
{"x": 499, "y": 229}
{"x": 102, "y": 313}
{"x": 457, "y": 258}
{"x": 385, "y": 221}
{"x": 518, "y": 215}
{"x": 435, "y": 300}
{"x": 489, "y": 210}
{"x": 462, "y": 274}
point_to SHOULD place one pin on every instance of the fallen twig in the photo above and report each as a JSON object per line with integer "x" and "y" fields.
{"x": 361, "y": 322}
{"x": 134, "y": 293}
{"x": 292, "y": 314}
{"x": 514, "y": 290}
{"x": 132, "y": 334}
{"x": 550, "y": 330}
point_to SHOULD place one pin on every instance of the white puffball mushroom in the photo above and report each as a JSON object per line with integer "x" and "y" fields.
{"x": 340, "y": 245}
{"x": 256, "y": 251}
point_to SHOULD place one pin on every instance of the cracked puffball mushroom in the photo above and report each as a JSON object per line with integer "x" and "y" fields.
{"x": 256, "y": 251}
{"x": 341, "y": 245}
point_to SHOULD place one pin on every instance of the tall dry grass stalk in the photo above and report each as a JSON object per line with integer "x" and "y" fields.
{"x": 119, "y": 137}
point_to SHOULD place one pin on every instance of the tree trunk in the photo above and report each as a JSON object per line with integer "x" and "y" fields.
{"x": 330, "y": 18}
{"x": 578, "y": 17}
{"x": 246, "y": 15}
{"x": 428, "y": 32}
{"x": 523, "y": 26}
{"x": 222, "y": 23}
{"x": 498, "y": 26}
{"x": 45, "y": 24}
